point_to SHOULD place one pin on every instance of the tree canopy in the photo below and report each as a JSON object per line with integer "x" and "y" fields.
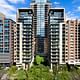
{"x": 39, "y": 59}
{"x": 39, "y": 72}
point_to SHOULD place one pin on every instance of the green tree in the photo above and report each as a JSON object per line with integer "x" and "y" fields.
{"x": 39, "y": 59}
{"x": 21, "y": 74}
{"x": 39, "y": 72}
{"x": 64, "y": 75}
{"x": 12, "y": 70}
{"x": 0, "y": 67}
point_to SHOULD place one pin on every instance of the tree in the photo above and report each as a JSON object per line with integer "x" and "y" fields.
{"x": 12, "y": 70}
{"x": 39, "y": 72}
{"x": 64, "y": 75}
{"x": 21, "y": 75}
{"x": 0, "y": 67}
{"x": 15, "y": 74}
{"x": 39, "y": 59}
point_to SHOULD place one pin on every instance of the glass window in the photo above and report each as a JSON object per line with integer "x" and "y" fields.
{"x": 41, "y": 19}
{"x": 6, "y": 21}
{"x": 41, "y": 1}
{"x": 6, "y": 24}
{"x": 6, "y": 50}
{"x": 0, "y": 29}
{"x": 25, "y": 14}
{"x": 1, "y": 49}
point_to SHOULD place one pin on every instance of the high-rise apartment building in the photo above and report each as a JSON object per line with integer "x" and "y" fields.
{"x": 40, "y": 25}
{"x": 23, "y": 38}
{"x": 56, "y": 16}
{"x": 44, "y": 30}
{"x": 71, "y": 42}
{"x": 6, "y": 40}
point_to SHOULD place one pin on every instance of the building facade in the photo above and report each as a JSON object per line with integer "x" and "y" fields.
{"x": 71, "y": 42}
{"x": 43, "y": 30}
{"x": 40, "y": 25}
{"x": 6, "y": 40}
{"x": 56, "y": 16}
{"x": 63, "y": 38}
{"x": 23, "y": 38}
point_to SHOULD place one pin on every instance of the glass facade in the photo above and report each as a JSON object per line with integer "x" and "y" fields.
{"x": 1, "y": 28}
{"x": 6, "y": 36}
{"x": 1, "y": 36}
{"x": 38, "y": 1}
{"x": 41, "y": 1}
{"x": 41, "y": 19}
{"x": 40, "y": 24}
{"x": 25, "y": 14}
{"x": 4, "y": 39}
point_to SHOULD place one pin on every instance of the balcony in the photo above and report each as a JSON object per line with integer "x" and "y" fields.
{"x": 27, "y": 50}
{"x": 26, "y": 57}
{"x": 26, "y": 61}
{"x": 54, "y": 61}
{"x": 25, "y": 47}
{"x": 54, "y": 57}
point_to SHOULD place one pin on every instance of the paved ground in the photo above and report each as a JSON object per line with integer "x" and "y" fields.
{"x": 1, "y": 73}
{"x": 4, "y": 77}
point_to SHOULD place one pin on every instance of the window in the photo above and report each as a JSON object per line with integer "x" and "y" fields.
{"x": 0, "y": 29}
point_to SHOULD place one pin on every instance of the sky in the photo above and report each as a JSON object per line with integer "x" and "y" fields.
{"x": 9, "y": 7}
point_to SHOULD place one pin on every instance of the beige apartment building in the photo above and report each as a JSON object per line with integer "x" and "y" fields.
{"x": 6, "y": 40}
{"x": 71, "y": 40}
